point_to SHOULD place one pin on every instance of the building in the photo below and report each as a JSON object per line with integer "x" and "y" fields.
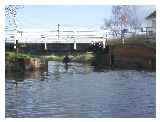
{"x": 151, "y": 26}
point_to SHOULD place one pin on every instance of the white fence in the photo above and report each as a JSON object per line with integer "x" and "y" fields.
{"x": 53, "y": 36}
{"x": 63, "y": 35}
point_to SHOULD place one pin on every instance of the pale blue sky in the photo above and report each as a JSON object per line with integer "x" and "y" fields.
{"x": 49, "y": 16}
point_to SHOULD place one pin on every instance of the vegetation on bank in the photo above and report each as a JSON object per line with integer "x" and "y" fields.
{"x": 13, "y": 56}
{"x": 54, "y": 57}
{"x": 99, "y": 57}
{"x": 134, "y": 41}
{"x": 80, "y": 56}
{"x": 22, "y": 61}
{"x": 86, "y": 57}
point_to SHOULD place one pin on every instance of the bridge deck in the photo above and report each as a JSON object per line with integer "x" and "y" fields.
{"x": 69, "y": 36}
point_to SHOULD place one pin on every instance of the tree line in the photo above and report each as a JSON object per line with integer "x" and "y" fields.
{"x": 123, "y": 16}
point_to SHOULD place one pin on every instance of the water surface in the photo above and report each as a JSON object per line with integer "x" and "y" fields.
{"x": 79, "y": 90}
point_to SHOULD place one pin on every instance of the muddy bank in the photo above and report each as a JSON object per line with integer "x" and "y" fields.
{"x": 126, "y": 57}
{"x": 140, "y": 57}
{"x": 25, "y": 64}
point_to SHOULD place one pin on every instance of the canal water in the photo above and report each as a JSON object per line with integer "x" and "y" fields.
{"x": 79, "y": 90}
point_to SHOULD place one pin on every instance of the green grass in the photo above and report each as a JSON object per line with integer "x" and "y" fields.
{"x": 54, "y": 57}
{"x": 13, "y": 56}
{"x": 83, "y": 57}
{"x": 86, "y": 57}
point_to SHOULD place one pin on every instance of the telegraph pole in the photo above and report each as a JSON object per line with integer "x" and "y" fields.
{"x": 58, "y": 30}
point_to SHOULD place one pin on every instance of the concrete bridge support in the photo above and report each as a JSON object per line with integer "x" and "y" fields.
{"x": 75, "y": 45}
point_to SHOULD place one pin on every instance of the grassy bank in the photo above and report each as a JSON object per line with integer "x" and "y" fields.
{"x": 22, "y": 61}
{"x": 13, "y": 56}
{"x": 86, "y": 57}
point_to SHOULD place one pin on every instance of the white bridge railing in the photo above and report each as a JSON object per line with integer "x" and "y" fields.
{"x": 55, "y": 37}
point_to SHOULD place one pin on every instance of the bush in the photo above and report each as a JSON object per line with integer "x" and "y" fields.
{"x": 85, "y": 57}
{"x": 13, "y": 56}
{"x": 76, "y": 57}
{"x": 54, "y": 58}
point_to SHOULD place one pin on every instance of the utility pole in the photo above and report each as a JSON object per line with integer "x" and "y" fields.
{"x": 58, "y": 30}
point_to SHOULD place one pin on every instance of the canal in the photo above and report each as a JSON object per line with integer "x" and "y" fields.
{"x": 80, "y": 90}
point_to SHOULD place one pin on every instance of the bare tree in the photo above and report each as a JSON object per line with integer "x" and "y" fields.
{"x": 116, "y": 15}
{"x": 11, "y": 13}
{"x": 134, "y": 18}
{"x": 123, "y": 16}
{"x": 118, "y": 20}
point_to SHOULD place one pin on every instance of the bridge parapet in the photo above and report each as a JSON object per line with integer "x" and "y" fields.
{"x": 53, "y": 37}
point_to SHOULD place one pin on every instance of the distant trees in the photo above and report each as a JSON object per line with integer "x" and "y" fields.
{"x": 11, "y": 13}
{"x": 120, "y": 15}
{"x": 134, "y": 18}
{"x": 123, "y": 16}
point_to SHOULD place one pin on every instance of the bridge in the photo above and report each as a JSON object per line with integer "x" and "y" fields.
{"x": 60, "y": 35}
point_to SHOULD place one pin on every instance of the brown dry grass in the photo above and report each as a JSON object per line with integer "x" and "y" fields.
{"x": 135, "y": 52}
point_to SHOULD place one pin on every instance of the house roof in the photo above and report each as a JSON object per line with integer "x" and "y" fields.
{"x": 152, "y": 15}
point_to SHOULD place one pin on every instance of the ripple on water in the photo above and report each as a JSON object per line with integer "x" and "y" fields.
{"x": 80, "y": 91}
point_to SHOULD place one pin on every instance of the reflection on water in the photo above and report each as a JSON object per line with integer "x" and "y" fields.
{"x": 77, "y": 90}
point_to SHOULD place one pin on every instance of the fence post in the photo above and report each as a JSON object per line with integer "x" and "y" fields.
{"x": 75, "y": 45}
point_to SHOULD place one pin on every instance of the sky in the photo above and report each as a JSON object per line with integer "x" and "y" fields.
{"x": 47, "y": 17}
